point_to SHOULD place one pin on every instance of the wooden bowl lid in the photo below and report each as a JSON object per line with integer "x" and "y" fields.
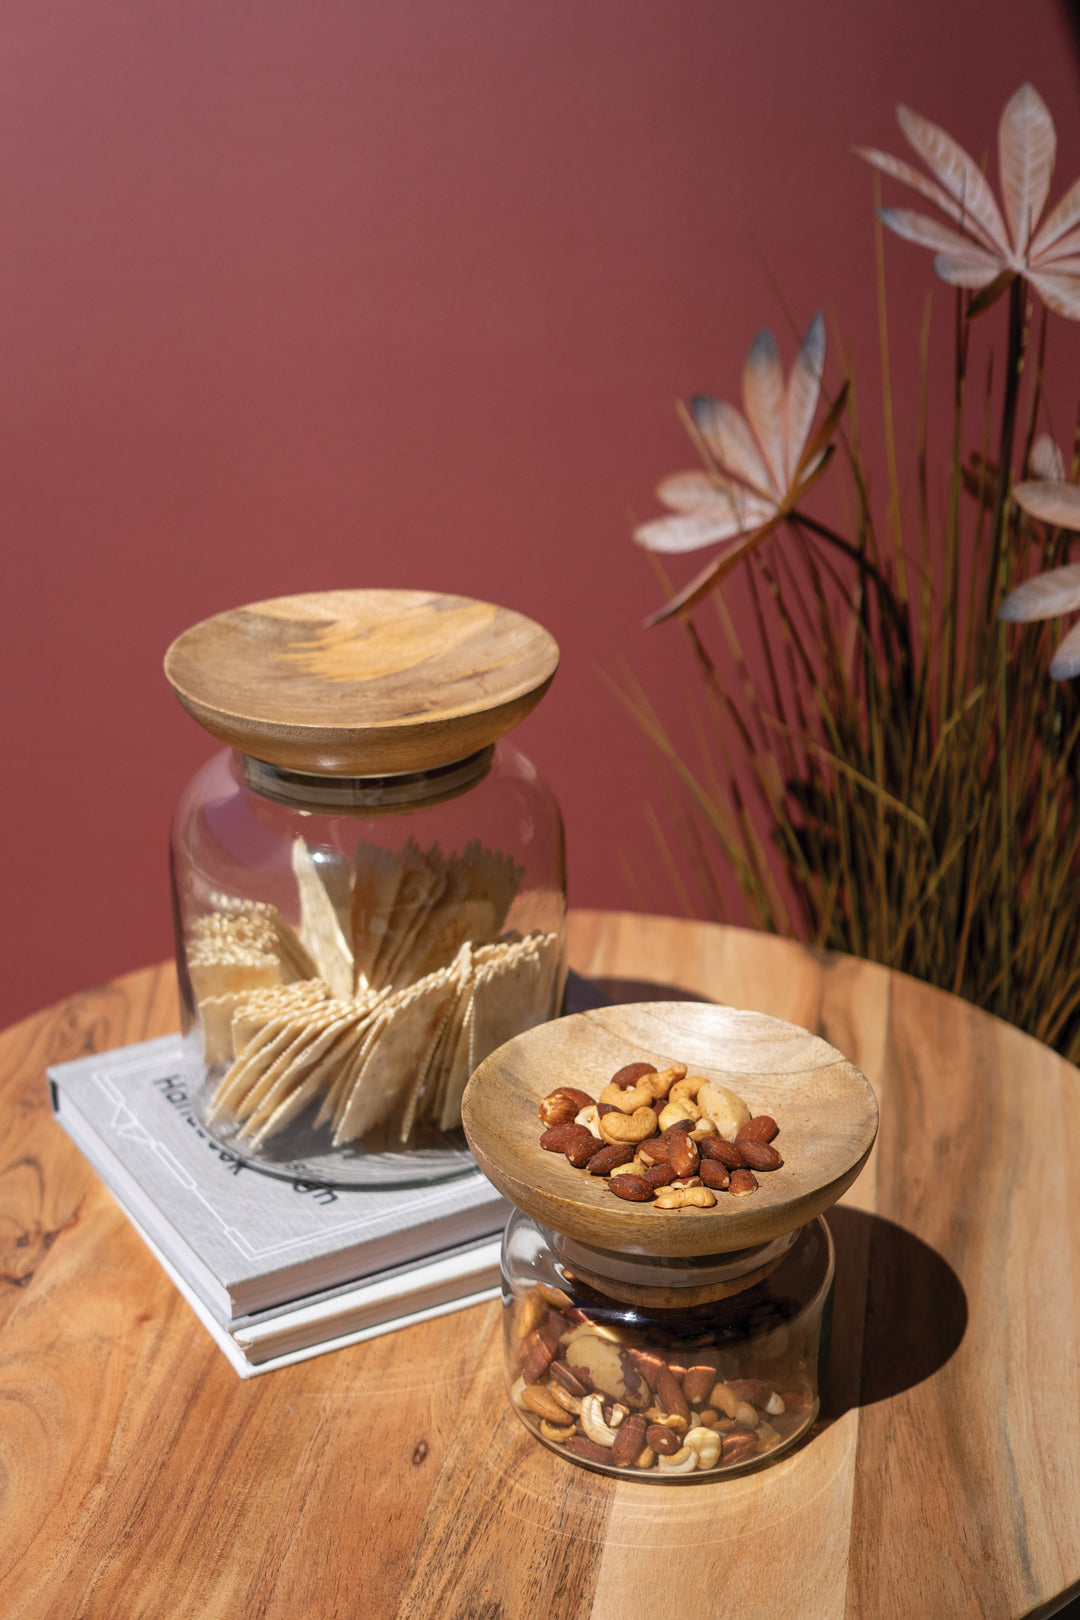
{"x": 824, "y": 1107}
{"x": 362, "y": 683}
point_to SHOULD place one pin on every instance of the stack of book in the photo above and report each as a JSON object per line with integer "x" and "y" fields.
{"x": 277, "y": 1270}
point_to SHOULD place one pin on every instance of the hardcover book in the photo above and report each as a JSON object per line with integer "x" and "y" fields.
{"x": 245, "y": 1242}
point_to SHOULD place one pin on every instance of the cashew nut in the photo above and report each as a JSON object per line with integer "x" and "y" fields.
{"x": 706, "y": 1443}
{"x": 556, "y": 1431}
{"x": 626, "y": 1102}
{"x": 633, "y": 1127}
{"x": 768, "y": 1439}
{"x": 645, "y": 1458}
{"x": 592, "y": 1420}
{"x": 590, "y": 1118}
{"x": 688, "y": 1086}
{"x": 745, "y": 1414}
{"x": 661, "y": 1084}
{"x": 570, "y": 1403}
{"x": 726, "y": 1399}
{"x": 669, "y": 1420}
{"x": 533, "y": 1311}
{"x": 683, "y": 1461}
{"x": 685, "y": 1198}
{"x": 539, "y": 1399}
{"x": 775, "y": 1405}
{"x": 672, "y": 1112}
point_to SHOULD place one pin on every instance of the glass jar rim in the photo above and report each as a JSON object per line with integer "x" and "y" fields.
{"x": 364, "y": 795}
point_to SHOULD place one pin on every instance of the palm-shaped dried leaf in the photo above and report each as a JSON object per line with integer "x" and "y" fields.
{"x": 983, "y": 252}
{"x": 761, "y": 464}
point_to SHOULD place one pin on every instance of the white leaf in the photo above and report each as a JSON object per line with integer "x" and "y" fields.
{"x": 1059, "y": 292}
{"x": 931, "y": 233}
{"x": 965, "y": 270}
{"x": 1051, "y": 501}
{"x": 804, "y": 390}
{"x": 766, "y": 405}
{"x": 1065, "y": 248}
{"x": 731, "y": 442}
{"x": 689, "y": 531}
{"x": 686, "y": 491}
{"x": 1047, "y": 596}
{"x": 1061, "y": 221}
{"x": 957, "y": 172}
{"x": 928, "y": 189}
{"x": 1026, "y": 149}
{"x": 1066, "y": 661}
{"x": 1046, "y": 459}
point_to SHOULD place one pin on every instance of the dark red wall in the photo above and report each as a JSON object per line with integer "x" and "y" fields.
{"x": 306, "y": 293}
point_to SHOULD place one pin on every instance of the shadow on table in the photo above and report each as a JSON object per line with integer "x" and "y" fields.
{"x": 899, "y": 1311}
{"x": 599, "y": 992}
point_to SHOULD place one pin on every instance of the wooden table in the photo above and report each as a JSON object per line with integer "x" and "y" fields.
{"x": 142, "y": 1478}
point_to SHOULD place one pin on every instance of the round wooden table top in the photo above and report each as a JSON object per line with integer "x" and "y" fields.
{"x": 141, "y": 1477}
{"x": 362, "y": 683}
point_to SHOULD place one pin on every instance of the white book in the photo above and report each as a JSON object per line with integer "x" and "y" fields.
{"x": 381, "y": 1304}
{"x": 246, "y": 1243}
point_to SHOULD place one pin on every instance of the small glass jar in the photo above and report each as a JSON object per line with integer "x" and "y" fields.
{"x": 667, "y": 1370}
{"x": 369, "y": 885}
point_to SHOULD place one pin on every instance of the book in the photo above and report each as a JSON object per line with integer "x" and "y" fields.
{"x": 380, "y": 1304}
{"x": 245, "y": 1242}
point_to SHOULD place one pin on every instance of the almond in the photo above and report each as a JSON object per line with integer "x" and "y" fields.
{"x": 635, "y": 1189}
{"x": 609, "y": 1158}
{"x": 714, "y": 1174}
{"x": 629, "y": 1440}
{"x": 670, "y": 1396}
{"x": 759, "y": 1155}
{"x": 737, "y": 1446}
{"x": 725, "y": 1153}
{"x": 762, "y": 1128}
{"x": 588, "y": 1450}
{"x": 665, "y": 1442}
{"x": 631, "y": 1073}
{"x": 560, "y": 1107}
{"x": 742, "y": 1182}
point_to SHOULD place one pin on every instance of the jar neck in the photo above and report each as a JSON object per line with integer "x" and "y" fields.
{"x": 364, "y": 795}
{"x": 663, "y": 1282}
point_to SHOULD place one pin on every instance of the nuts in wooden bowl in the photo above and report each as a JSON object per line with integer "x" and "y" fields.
{"x": 662, "y": 1136}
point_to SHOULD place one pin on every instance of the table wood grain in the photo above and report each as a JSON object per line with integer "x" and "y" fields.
{"x": 140, "y": 1477}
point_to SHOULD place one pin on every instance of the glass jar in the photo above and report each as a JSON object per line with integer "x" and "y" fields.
{"x": 369, "y": 883}
{"x": 666, "y": 1370}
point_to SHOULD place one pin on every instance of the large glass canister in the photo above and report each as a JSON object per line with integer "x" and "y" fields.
{"x": 369, "y": 882}
{"x": 667, "y": 1272}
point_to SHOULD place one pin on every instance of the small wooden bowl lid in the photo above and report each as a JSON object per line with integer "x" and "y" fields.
{"x": 824, "y": 1106}
{"x": 362, "y": 683}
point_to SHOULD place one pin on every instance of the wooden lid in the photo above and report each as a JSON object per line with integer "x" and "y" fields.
{"x": 824, "y": 1107}
{"x": 362, "y": 683}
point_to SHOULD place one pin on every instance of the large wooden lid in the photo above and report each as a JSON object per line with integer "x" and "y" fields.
{"x": 824, "y": 1106}
{"x": 362, "y": 683}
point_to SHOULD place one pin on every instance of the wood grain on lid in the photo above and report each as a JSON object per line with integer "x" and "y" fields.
{"x": 362, "y": 683}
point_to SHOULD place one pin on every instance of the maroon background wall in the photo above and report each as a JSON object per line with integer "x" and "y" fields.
{"x": 308, "y": 293}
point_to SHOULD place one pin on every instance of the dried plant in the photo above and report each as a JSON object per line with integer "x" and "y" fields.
{"x": 882, "y": 759}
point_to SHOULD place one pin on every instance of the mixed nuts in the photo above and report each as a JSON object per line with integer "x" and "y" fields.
{"x": 662, "y": 1137}
{"x": 609, "y": 1397}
